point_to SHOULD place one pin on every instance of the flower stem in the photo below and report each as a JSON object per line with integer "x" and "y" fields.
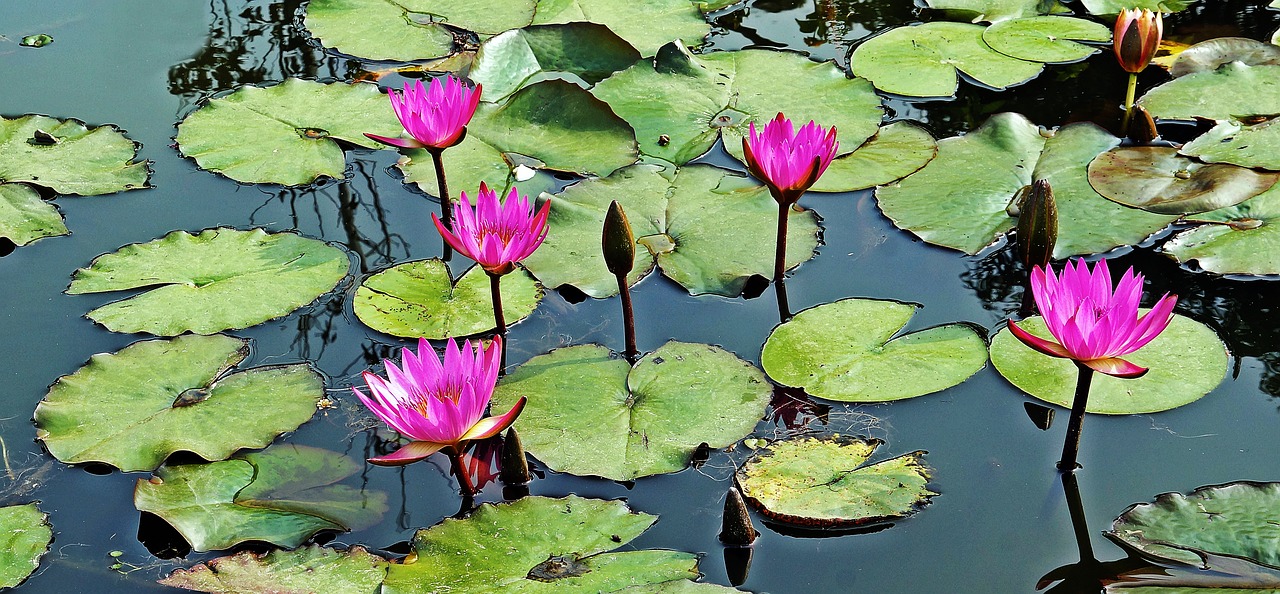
{"x": 780, "y": 255}
{"x": 495, "y": 292}
{"x": 628, "y": 319}
{"x": 1128, "y": 103}
{"x": 1072, "y": 444}
{"x": 784, "y": 309}
{"x": 446, "y": 203}
{"x": 460, "y": 471}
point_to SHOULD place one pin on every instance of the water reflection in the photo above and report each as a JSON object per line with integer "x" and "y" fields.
{"x": 1087, "y": 575}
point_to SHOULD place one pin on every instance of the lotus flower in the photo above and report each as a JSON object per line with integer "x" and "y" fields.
{"x": 496, "y": 234}
{"x": 435, "y": 117}
{"x": 1092, "y": 324}
{"x": 436, "y": 404}
{"x": 1137, "y": 36}
{"x": 787, "y": 161}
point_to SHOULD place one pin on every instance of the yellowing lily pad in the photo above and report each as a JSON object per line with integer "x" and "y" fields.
{"x": 1159, "y": 180}
{"x": 308, "y": 569}
{"x": 25, "y": 534}
{"x": 925, "y": 60}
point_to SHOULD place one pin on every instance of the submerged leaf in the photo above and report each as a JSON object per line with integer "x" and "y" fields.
{"x": 25, "y": 535}
{"x": 306, "y": 570}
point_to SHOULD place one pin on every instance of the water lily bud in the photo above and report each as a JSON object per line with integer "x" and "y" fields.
{"x": 514, "y": 466}
{"x": 1037, "y": 224}
{"x": 1142, "y": 127}
{"x": 736, "y": 528}
{"x": 617, "y": 242}
{"x": 1137, "y": 36}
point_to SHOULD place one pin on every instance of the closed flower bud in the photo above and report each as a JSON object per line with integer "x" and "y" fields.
{"x": 1037, "y": 224}
{"x": 1137, "y": 36}
{"x": 617, "y": 242}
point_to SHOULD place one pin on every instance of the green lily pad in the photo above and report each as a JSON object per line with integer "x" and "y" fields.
{"x": 979, "y": 174}
{"x": 1256, "y": 145}
{"x": 25, "y": 535}
{"x": 1208, "y": 55}
{"x": 1113, "y": 7}
{"x": 896, "y": 151}
{"x": 133, "y": 408}
{"x": 68, "y": 157}
{"x": 632, "y": 422}
{"x": 218, "y": 280}
{"x": 285, "y": 134}
{"x": 1246, "y": 239}
{"x": 926, "y": 60}
{"x": 1050, "y": 39}
{"x": 706, "y": 228}
{"x": 25, "y": 217}
{"x": 851, "y": 351}
{"x": 823, "y": 482}
{"x": 37, "y": 40}
{"x": 997, "y": 10}
{"x": 678, "y": 587}
{"x": 1186, "y": 361}
{"x": 377, "y": 29}
{"x": 547, "y": 545}
{"x": 283, "y": 495}
{"x": 308, "y": 569}
{"x": 418, "y": 298}
{"x": 1232, "y": 91}
{"x": 679, "y": 104}
{"x": 1158, "y": 179}
{"x": 508, "y": 61}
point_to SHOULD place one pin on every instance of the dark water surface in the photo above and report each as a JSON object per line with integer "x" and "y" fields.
{"x": 1001, "y": 521}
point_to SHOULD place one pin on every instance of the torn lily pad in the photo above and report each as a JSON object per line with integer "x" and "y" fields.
{"x": 896, "y": 151}
{"x": 1050, "y": 39}
{"x": 548, "y": 545}
{"x": 1208, "y": 55}
{"x": 632, "y": 421}
{"x": 26, "y": 534}
{"x": 1186, "y": 362}
{"x": 690, "y": 222}
{"x": 1253, "y": 145}
{"x": 1232, "y": 91}
{"x": 25, "y": 217}
{"x": 218, "y": 280}
{"x": 824, "y": 482}
{"x": 378, "y": 29}
{"x": 287, "y": 133}
{"x": 1159, "y": 180}
{"x": 852, "y": 351}
{"x": 308, "y": 569}
{"x": 418, "y": 299}
{"x": 282, "y": 495}
{"x": 510, "y": 61}
{"x": 926, "y": 60}
{"x": 1241, "y": 239}
{"x": 68, "y": 157}
{"x": 133, "y": 408}
{"x": 997, "y": 10}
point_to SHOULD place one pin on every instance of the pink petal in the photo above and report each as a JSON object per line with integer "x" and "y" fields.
{"x": 1047, "y": 347}
{"x": 400, "y": 142}
{"x": 410, "y": 453}
{"x": 1117, "y": 367}
{"x": 491, "y": 426}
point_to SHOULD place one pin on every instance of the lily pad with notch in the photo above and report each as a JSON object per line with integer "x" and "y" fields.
{"x": 1240, "y": 239}
{"x": 378, "y": 29}
{"x": 629, "y": 422}
{"x": 26, "y": 535}
{"x": 1232, "y": 91}
{"x": 217, "y": 280}
{"x": 1159, "y": 180}
{"x": 1049, "y": 39}
{"x": 26, "y": 217}
{"x": 926, "y": 60}
{"x": 511, "y": 60}
{"x": 307, "y": 569}
{"x": 1247, "y": 145}
{"x": 418, "y": 299}
{"x": 133, "y": 408}
{"x": 69, "y": 157}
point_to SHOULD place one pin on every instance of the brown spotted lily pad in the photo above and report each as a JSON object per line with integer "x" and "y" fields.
{"x": 1158, "y": 179}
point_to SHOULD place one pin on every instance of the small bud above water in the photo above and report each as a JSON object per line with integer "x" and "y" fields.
{"x": 514, "y": 465}
{"x": 736, "y": 528}
{"x": 1037, "y": 224}
{"x": 617, "y": 242}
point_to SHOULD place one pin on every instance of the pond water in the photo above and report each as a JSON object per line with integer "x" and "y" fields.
{"x": 1001, "y": 520}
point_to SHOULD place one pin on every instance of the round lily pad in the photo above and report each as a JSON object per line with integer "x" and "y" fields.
{"x": 823, "y": 482}
{"x": 851, "y": 351}
{"x": 25, "y": 534}
{"x": 548, "y": 545}
{"x": 996, "y": 11}
{"x": 1113, "y": 7}
{"x": 1050, "y": 39}
{"x": 69, "y": 157}
{"x": 511, "y": 60}
{"x": 1186, "y": 361}
{"x": 679, "y": 104}
{"x": 1241, "y": 239}
{"x": 1256, "y": 145}
{"x": 706, "y": 228}
{"x": 1158, "y": 179}
{"x": 1231, "y": 91}
{"x": 218, "y": 280}
{"x": 133, "y": 408}
{"x": 896, "y": 151}
{"x": 308, "y": 569}
{"x": 25, "y": 217}
{"x": 378, "y": 29}
{"x": 1208, "y": 55}
{"x": 285, "y": 134}
{"x": 632, "y": 422}
{"x": 925, "y": 60}
{"x": 418, "y": 299}
{"x": 283, "y": 495}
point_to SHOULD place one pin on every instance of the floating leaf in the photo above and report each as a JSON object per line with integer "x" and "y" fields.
{"x": 25, "y": 217}
{"x": 851, "y": 351}
{"x": 1113, "y": 7}
{"x": 708, "y": 229}
{"x": 1256, "y": 145}
{"x": 1186, "y": 361}
{"x": 68, "y": 157}
{"x": 547, "y": 545}
{"x": 1158, "y": 179}
{"x": 997, "y": 10}
{"x": 282, "y": 495}
{"x": 679, "y": 104}
{"x": 133, "y": 408}
{"x": 218, "y": 280}
{"x": 25, "y": 535}
{"x": 925, "y": 60}
{"x": 417, "y": 298}
{"x": 632, "y": 422}
{"x": 508, "y": 61}
{"x": 308, "y": 569}
{"x": 286, "y": 133}
{"x": 1246, "y": 240}
{"x": 1050, "y": 39}
{"x": 1232, "y": 91}
{"x": 677, "y": 587}
{"x": 38, "y": 40}
{"x": 823, "y": 483}
{"x": 896, "y": 151}
{"x": 377, "y": 29}
{"x": 1207, "y": 56}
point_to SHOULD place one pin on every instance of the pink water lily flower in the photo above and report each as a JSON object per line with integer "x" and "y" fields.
{"x": 438, "y": 404}
{"x": 786, "y": 160}
{"x": 496, "y": 234}
{"x": 1093, "y": 324}
{"x": 436, "y": 118}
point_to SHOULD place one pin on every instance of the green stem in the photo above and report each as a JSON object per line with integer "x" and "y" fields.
{"x": 628, "y": 319}
{"x": 1072, "y": 444}
{"x": 780, "y": 254}
{"x": 446, "y": 203}
{"x": 1128, "y": 103}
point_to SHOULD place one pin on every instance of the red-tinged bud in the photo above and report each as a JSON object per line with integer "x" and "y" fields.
{"x": 1137, "y": 36}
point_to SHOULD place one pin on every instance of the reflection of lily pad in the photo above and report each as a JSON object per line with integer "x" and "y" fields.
{"x": 510, "y": 60}
{"x": 1247, "y": 240}
{"x": 1233, "y": 90}
{"x": 925, "y": 60}
{"x": 822, "y": 482}
{"x": 377, "y": 29}
{"x": 25, "y": 535}
{"x": 1209, "y": 55}
{"x": 282, "y": 495}
{"x": 418, "y": 299}
{"x": 896, "y": 151}
{"x": 133, "y": 408}
{"x": 68, "y": 157}
{"x": 285, "y": 134}
{"x": 1110, "y": 7}
{"x": 1046, "y": 39}
{"x": 547, "y": 545}
{"x": 218, "y": 280}
{"x": 1186, "y": 361}
{"x": 308, "y": 569}
{"x": 25, "y": 217}
{"x": 631, "y": 422}
{"x": 850, "y": 351}
{"x": 997, "y": 10}
{"x": 708, "y": 229}
{"x": 1158, "y": 179}
{"x": 1256, "y": 145}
